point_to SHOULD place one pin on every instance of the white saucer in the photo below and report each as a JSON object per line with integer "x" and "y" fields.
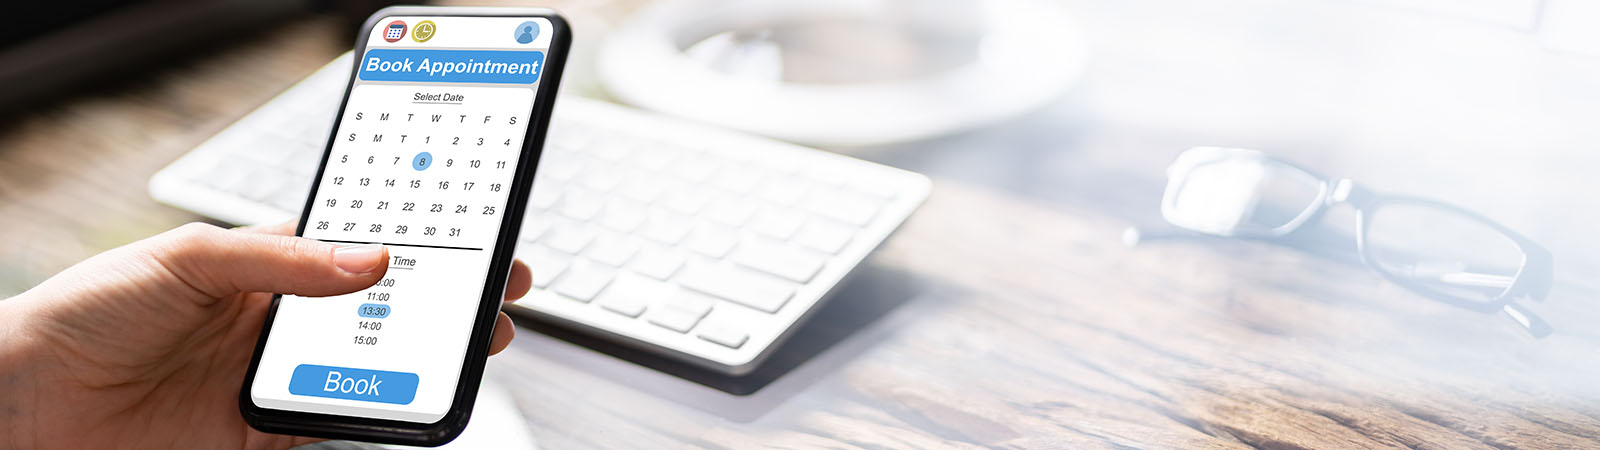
{"x": 1031, "y": 54}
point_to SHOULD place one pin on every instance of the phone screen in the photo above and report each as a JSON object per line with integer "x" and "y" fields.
{"x": 422, "y": 160}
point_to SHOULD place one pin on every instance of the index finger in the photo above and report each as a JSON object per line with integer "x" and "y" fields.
{"x": 284, "y": 228}
{"x": 519, "y": 282}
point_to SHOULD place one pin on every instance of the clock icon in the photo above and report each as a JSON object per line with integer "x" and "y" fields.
{"x": 423, "y": 31}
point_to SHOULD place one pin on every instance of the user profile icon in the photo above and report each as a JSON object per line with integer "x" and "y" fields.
{"x": 526, "y": 32}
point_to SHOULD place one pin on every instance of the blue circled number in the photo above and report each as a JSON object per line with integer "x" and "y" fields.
{"x": 422, "y": 161}
{"x": 373, "y": 310}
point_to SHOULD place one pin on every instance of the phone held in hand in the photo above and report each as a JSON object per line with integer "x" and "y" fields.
{"x": 432, "y": 155}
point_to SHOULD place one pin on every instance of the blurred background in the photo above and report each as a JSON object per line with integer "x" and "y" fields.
{"x": 1489, "y": 105}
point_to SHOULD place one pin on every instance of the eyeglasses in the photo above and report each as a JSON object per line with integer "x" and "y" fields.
{"x": 1439, "y": 251}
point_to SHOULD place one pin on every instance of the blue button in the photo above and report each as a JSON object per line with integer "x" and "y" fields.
{"x": 353, "y": 384}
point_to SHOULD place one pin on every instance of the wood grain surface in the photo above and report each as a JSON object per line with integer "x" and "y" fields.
{"x": 994, "y": 318}
{"x": 1012, "y": 325}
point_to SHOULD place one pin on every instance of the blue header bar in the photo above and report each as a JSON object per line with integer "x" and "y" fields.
{"x": 452, "y": 66}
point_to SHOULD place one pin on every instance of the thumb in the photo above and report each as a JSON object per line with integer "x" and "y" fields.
{"x": 220, "y": 262}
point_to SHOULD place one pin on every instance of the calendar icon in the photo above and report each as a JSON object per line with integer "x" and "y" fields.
{"x": 394, "y": 31}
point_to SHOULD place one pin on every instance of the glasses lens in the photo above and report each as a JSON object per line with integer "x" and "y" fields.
{"x": 1442, "y": 252}
{"x": 1242, "y": 196}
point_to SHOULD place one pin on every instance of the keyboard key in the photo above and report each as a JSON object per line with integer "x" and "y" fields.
{"x": 642, "y": 189}
{"x": 874, "y": 187}
{"x": 783, "y": 167}
{"x": 776, "y": 223}
{"x": 731, "y": 211}
{"x": 613, "y": 152}
{"x": 623, "y": 215}
{"x": 656, "y": 262}
{"x": 581, "y": 204}
{"x": 571, "y": 135}
{"x": 784, "y": 191}
{"x": 533, "y": 228}
{"x": 737, "y": 180}
{"x": 653, "y": 158}
{"x": 827, "y": 174}
{"x": 579, "y": 133}
{"x": 602, "y": 178}
{"x": 561, "y": 169}
{"x": 842, "y": 206}
{"x": 261, "y": 184}
{"x": 712, "y": 241}
{"x": 766, "y": 256}
{"x": 695, "y": 169}
{"x": 304, "y": 168}
{"x": 666, "y": 228}
{"x": 691, "y": 302}
{"x": 291, "y": 199}
{"x": 583, "y": 281}
{"x": 824, "y": 236}
{"x": 686, "y": 201}
{"x": 544, "y": 195}
{"x": 545, "y": 265}
{"x": 580, "y": 210}
{"x": 611, "y": 250}
{"x": 674, "y": 319}
{"x": 624, "y": 306}
{"x": 736, "y": 285}
{"x": 630, "y": 294}
{"x": 726, "y": 336}
{"x": 568, "y": 239}
{"x": 225, "y": 175}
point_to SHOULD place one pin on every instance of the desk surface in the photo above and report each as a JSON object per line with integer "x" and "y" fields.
{"x": 1007, "y": 312}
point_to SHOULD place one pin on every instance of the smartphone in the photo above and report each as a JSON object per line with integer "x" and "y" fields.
{"x": 432, "y": 154}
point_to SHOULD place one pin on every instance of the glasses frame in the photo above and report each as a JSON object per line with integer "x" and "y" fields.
{"x": 1533, "y": 279}
{"x": 1177, "y": 176}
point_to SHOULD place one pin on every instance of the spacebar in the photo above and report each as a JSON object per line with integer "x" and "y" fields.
{"x": 736, "y": 285}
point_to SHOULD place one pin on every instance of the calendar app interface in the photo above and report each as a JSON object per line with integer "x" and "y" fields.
{"x": 422, "y": 161}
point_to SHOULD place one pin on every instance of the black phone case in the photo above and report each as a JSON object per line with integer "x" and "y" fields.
{"x": 454, "y": 421}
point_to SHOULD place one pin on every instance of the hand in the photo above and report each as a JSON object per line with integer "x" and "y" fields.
{"x": 147, "y": 345}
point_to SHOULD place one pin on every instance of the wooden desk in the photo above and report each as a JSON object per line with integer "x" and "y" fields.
{"x": 1006, "y": 312}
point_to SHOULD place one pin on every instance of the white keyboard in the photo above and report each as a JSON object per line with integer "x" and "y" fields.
{"x": 692, "y": 241}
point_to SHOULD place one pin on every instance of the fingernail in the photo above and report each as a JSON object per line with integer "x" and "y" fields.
{"x": 358, "y": 258}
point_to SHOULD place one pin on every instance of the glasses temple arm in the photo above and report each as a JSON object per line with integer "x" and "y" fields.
{"x": 1529, "y": 321}
{"x": 1454, "y": 276}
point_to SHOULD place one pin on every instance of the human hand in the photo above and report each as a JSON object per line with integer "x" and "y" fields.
{"x": 146, "y": 345}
